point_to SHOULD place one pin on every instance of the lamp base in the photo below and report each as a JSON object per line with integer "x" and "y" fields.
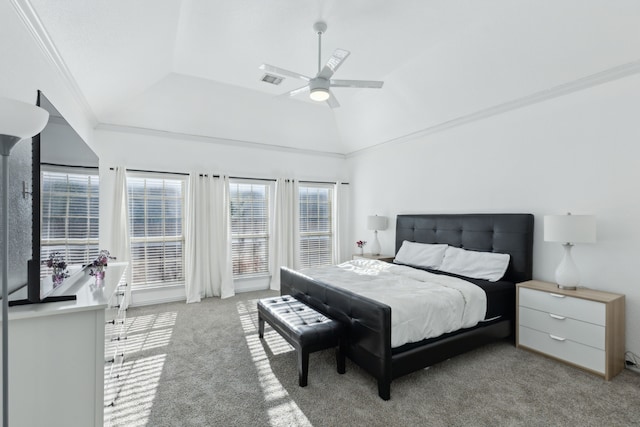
{"x": 375, "y": 246}
{"x": 567, "y": 275}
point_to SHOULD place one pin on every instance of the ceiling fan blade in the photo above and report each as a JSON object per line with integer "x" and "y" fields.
{"x": 332, "y": 65}
{"x": 272, "y": 69}
{"x": 374, "y": 84}
{"x": 294, "y": 92}
{"x": 332, "y": 101}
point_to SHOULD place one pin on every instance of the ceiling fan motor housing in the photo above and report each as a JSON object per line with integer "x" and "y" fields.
{"x": 319, "y": 88}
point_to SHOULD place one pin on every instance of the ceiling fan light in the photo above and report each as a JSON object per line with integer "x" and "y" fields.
{"x": 319, "y": 94}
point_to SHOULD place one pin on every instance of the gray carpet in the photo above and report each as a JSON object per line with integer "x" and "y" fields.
{"x": 203, "y": 365}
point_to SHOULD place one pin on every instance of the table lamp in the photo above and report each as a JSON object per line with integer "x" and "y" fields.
{"x": 375, "y": 222}
{"x": 569, "y": 229}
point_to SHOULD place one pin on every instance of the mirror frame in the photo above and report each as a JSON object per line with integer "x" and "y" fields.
{"x": 33, "y": 293}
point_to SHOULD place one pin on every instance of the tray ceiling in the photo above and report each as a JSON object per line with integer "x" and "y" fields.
{"x": 191, "y": 66}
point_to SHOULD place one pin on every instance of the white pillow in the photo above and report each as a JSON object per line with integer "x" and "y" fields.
{"x": 420, "y": 254}
{"x": 478, "y": 265}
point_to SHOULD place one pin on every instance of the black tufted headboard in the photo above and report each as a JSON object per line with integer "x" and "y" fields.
{"x": 503, "y": 233}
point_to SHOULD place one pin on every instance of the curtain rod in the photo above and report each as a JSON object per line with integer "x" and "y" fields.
{"x": 68, "y": 166}
{"x": 148, "y": 171}
{"x": 232, "y": 177}
{"x": 323, "y": 182}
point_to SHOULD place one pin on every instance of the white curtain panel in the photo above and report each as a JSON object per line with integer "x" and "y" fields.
{"x": 342, "y": 239}
{"x": 222, "y": 237}
{"x": 285, "y": 243}
{"x": 208, "y": 269}
{"x": 119, "y": 243}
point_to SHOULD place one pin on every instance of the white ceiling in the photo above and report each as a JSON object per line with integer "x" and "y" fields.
{"x": 191, "y": 66}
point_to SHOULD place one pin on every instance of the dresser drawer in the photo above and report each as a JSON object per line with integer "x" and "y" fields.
{"x": 570, "y": 351}
{"x": 562, "y": 305}
{"x": 565, "y": 327}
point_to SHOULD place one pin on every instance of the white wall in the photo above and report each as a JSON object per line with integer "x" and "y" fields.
{"x": 26, "y": 69}
{"x": 180, "y": 153}
{"x": 578, "y": 153}
{"x": 175, "y": 153}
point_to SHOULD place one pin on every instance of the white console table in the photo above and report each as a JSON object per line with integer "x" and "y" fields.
{"x": 57, "y": 355}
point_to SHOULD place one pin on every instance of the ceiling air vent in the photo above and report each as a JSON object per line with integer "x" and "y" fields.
{"x": 270, "y": 78}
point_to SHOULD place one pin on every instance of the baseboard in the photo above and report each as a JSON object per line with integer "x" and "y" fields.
{"x": 142, "y": 303}
{"x": 243, "y": 289}
{"x": 250, "y": 284}
{"x": 157, "y": 295}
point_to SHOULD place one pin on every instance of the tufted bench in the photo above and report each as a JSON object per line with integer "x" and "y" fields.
{"x": 304, "y": 328}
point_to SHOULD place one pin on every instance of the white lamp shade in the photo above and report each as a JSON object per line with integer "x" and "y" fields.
{"x": 570, "y": 228}
{"x": 20, "y": 119}
{"x": 375, "y": 222}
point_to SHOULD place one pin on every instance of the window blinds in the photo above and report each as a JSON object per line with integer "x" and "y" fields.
{"x": 69, "y": 220}
{"x": 315, "y": 225}
{"x": 249, "y": 204}
{"x": 157, "y": 237}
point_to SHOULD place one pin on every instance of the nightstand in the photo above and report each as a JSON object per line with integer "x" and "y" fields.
{"x": 583, "y": 328}
{"x": 385, "y": 258}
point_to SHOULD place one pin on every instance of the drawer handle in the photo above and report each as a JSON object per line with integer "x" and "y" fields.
{"x": 556, "y": 295}
{"x": 557, "y": 338}
{"x": 555, "y": 316}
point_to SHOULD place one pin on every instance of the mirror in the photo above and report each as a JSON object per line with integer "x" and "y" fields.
{"x": 60, "y": 144}
{"x": 57, "y": 148}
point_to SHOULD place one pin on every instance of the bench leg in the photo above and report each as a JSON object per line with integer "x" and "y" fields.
{"x": 260, "y": 326}
{"x": 340, "y": 357}
{"x": 303, "y": 366}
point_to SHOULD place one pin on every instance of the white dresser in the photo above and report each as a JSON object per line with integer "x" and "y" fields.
{"x": 584, "y": 327}
{"x": 115, "y": 346}
{"x": 57, "y": 355}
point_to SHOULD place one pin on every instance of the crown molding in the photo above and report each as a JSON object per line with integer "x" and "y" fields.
{"x": 33, "y": 23}
{"x": 213, "y": 140}
{"x": 583, "y": 83}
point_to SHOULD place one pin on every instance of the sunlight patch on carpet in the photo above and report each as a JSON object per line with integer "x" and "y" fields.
{"x": 131, "y": 384}
{"x": 288, "y": 414}
{"x": 276, "y": 343}
{"x": 284, "y": 411}
{"x": 141, "y": 342}
{"x": 137, "y": 392}
{"x": 147, "y": 332}
{"x": 151, "y": 321}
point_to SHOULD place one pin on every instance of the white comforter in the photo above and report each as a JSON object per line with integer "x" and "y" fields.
{"x": 423, "y": 305}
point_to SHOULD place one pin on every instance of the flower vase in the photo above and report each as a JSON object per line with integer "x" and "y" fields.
{"x": 57, "y": 277}
{"x": 360, "y": 250}
{"x": 99, "y": 277}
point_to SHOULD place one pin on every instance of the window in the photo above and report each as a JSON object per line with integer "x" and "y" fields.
{"x": 249, "y": 227}
{"x": 316, "y": 238}
{"x": 157, "y": 237}
{"x": 69, "y": 221}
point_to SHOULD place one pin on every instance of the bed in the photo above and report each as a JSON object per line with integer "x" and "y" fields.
{"x": 368, "y": 322}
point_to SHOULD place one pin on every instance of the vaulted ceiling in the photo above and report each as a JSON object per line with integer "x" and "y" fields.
{"x": 191, "y": 66}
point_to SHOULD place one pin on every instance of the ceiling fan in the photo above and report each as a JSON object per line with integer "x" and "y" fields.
{"x": 319, "y": 86}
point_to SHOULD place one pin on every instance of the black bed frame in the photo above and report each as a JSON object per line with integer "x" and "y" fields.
{"x": 369, "y": 322}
